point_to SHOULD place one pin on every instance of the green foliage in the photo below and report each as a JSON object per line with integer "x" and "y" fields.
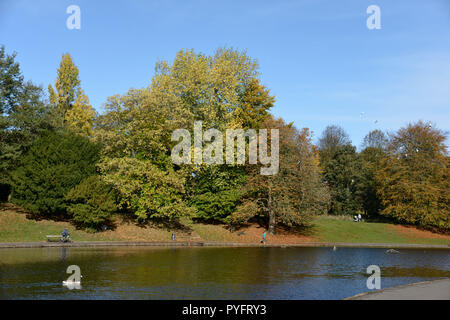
{"x": 255, "y": 102}
{"x": 23, "y": 116}
{"x": 146, "y": 189}
{"x": 57, "y": 162}
{"x": 215, "y": 191}
{"x": 136, "y": 159}
{"x": 212, "y": 88}
{"x": 11, "y": 81}
{"x": 333, "y": 138}
{"x": 53, "y": 173}
{"x": 221, "y": 90}
{"x": 91, "y": 203}
{"x": 371, "y": 162}
{"x": 69, "y": 103}
{"x": 343, "y": 175}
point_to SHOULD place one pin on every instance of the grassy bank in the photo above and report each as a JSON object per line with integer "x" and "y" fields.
{"x": 343, "y": 229}
{"x": 16, "y": 227}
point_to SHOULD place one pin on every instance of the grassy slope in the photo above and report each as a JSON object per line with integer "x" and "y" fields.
{"x": 15, "y": 227}
{"x": 335, "y": 229}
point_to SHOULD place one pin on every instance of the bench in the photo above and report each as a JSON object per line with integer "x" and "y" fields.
{"x": 57, "y": 238}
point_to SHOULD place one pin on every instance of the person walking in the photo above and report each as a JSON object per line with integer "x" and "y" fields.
{"x": 264, "y": 238}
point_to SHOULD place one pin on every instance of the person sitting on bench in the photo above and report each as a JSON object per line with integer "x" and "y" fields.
{"x": 65, "y": 235}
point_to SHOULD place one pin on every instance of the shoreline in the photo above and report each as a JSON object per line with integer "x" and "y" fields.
{"x": 424, "y": 290}
{"x": 83, "y": 244}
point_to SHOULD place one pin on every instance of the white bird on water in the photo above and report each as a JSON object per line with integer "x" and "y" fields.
{"x": 72, "y": 282}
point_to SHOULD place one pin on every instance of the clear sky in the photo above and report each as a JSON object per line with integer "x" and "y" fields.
{"x": 318, "y": 57}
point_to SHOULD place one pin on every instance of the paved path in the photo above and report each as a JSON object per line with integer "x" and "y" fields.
{"x": 427, "y": 290}
{"x": 215, "y": 244}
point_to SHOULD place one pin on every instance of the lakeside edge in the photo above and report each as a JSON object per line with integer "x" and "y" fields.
{"x": 216, "y": 244}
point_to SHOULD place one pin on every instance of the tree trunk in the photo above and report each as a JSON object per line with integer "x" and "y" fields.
{"x": 271, "y": 214}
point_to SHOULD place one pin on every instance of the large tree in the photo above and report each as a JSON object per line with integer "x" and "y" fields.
{"x": 56, "y": 163}
{"x": 375, "y": 139}
{"x": 343, "y": 175}
{"x": 296, "y": 193}
{"x": 23, "y": 116}
{"x": 221, "y": 90}
{"x": 215, "y": 191}
{"x": 374, "y": 144}
{"x": 11, "y": 82}
{"x": 342, "y": 169}
{"x": 69, "y": 102}
{"x": 135, "y": 134}
{"x": 414, "y": 178}
{"x": 332, "y": 139}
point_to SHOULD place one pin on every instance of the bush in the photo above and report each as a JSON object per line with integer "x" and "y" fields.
{"x": 216, "y": 206}
{"x": 91, "y": 203}
{"x": 216, "y": 192}
{"x": 56, "y": 162}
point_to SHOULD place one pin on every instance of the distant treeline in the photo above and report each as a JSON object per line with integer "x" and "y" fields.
{"x": 60, "y": 159}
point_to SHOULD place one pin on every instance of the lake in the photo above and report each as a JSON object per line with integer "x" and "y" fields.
{"x": 211, "y": 273}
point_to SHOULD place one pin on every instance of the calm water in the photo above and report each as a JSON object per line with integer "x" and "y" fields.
{"x": 211, "y": 273}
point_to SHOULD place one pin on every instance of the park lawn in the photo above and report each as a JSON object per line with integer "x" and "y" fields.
{"x": 343, "y": 229}
{"x": 16, "y": 227}
{"x": 326, "y": 229}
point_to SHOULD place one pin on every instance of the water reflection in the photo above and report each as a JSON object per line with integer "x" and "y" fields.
{"x": 63, "y": 253}
{"x": 211, "y": 273}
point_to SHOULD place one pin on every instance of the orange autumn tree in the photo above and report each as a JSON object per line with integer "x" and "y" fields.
{"x": 414, "y": 179}
{"x": 296, "y": 193}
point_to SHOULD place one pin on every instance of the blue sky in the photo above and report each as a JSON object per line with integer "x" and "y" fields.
{"x": 317, "y": 57}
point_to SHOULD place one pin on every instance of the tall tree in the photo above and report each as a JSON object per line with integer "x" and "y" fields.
{"x": 23, "y": 116}
{"x": 136, "y": 130}
{"x": 216, "y": 190}
{"x": 375, "y": 139}
{"x": 11, "y": 82}
{"x": 135, "y": 133}
{"x": 332, "y": 138}
{"x": 254, "y": 104}
{"x": 57, "y": 162}
{"x": 70, "y": 104}
{"x": 296, "y": 193}
{"x": 374, "y": 144}
{"x": 343, "y": 175}
{"x": 414, "y": 178}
